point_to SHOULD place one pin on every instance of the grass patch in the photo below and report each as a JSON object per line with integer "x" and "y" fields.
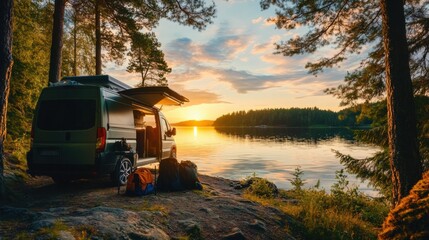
{"x": 16, "y": 161}
{"x": 341, "y": 214}
{"x": 206, "y": 192}
{"x": 53, "y": 232}
{"x": 147, "y": 206}
{"x": 82, "y": 232}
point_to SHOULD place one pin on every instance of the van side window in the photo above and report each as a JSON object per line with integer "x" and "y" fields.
{"x": 138, "y": 119}
{"x": 165, "y": 127}
{"x": 66, "y": 114}
{"x": 120, "y": 114}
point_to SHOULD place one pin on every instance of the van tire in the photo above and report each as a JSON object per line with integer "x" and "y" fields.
{"x": 123, "y": 169}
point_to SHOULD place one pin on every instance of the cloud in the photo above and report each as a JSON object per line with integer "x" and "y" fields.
{"x": 197, "y": 97}
{"x": 195, "y": 63}
{"x": 262, "y": 48}
{"x": 257, "y": 20}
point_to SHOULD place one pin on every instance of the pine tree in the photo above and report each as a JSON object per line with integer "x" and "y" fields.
{"x": 147, "y": 59}
{"x": 6, "y": 63}
{"x": 349, "y": 26}
{"x": 57, "y": 41}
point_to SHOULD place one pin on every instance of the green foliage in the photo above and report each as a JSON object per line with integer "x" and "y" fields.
{"x": 30, "y": 70}
{"x": 121, "y": 21}
{"x": 16, "y": 163}
{"x": 297, "y": 182}
{"x": 376, "y": 169}
{"x": 352, "y": 28}
{"x": 81, "y": 232}
{"x": 342, "y": 184}
{"x": 147, "y": 59}
{"x": 259, "y": 187}
{"x": 78, "y": 40}
{"x": 292, "y": 117}
{"x": 342, "y": 214}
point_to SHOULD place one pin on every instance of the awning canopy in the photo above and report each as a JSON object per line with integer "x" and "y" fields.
{"x": 155, "y": 96}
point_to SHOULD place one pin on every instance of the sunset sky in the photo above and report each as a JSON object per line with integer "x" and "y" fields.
{"x": 231, "y": 66}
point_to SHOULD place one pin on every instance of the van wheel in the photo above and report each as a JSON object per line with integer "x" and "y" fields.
{"x": 122, "y": 171}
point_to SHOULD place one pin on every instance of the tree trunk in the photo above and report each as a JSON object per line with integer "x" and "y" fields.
{"x": 97, "y": 38}
{"x": 75, "y": 41}
{"x": 57, "y": 41}
{"x": 405, "y": 160}
{"x": 6, "y": 63}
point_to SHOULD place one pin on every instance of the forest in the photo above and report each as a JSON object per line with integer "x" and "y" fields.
{"x": 391, "y": 79}
{"x": 295, "y": 117}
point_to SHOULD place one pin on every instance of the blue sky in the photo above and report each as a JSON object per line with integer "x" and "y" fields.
{"x": 230, "y": 66}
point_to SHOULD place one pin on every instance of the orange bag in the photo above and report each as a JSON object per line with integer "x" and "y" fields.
{"x": 140, "y": 182}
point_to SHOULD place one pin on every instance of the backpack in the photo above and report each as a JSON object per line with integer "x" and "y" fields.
{"x": 140, "y": 182}
{"x": 168, "y": 179}
{"x": 189, "y": 175}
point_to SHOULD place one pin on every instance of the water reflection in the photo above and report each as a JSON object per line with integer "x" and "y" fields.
{"x": 272, "y": 153}
{"x": 309, "y": 135}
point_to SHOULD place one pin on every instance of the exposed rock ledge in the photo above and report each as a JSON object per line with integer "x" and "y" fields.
{"x": 94, "y": 210}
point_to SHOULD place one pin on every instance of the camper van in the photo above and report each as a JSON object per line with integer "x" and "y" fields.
{"x": 95, "y": 125}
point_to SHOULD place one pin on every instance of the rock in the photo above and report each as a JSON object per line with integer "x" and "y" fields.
{"x": 214, "y": 193}
{"x": 270, "y": 189}
{"x": 65, "y": 235}
{"x": 410, "y": 218}
{"x": 44, "y": 223}
{"x": 11, "y": 212}
{"x": 236, "y": 234}
{"x": 191, "y": 227}
{"x": 258, "y": 225}
{"x": 206, "y": 210}
{"x": 113, "y": 223}
{"x": 188, "y": 224}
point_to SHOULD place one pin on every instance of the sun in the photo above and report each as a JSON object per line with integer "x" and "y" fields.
{"x": 196, "y": 116}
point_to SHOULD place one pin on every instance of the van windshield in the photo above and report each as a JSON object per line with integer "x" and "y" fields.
{"x": 66, "y": 114}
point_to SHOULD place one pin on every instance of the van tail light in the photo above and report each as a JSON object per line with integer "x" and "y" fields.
{"x": 101, "y": 139}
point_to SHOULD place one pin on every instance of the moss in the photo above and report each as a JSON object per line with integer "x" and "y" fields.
{"x": 260, "y": 187}
{"x": 146, "y": 206}
{"x": 410, "y": 218}
{"x": 52, "y": 232}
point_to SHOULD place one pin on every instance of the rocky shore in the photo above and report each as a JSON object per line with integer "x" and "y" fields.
{"x": 93, "y": 209}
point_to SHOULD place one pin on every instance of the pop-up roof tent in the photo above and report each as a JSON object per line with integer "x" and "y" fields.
{"x": 148, "y": 95}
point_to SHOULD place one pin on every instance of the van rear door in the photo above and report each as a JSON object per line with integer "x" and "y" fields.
{"x": 65, "y": 128}
{"x": 152, "y": 96}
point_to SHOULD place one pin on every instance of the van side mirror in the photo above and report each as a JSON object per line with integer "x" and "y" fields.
{"x": 173, "y": 132}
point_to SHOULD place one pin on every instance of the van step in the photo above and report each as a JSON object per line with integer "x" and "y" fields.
{"x": 146, "y": 161}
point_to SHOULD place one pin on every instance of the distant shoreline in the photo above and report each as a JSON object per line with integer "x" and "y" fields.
{"x": 208, "y": 124}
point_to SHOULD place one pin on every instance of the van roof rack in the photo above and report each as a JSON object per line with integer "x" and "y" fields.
{"x": 100, "y": 80}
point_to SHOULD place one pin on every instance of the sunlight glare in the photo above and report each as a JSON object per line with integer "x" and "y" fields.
{"x": 195, "y": 132}
{"x": 196, "y": 116}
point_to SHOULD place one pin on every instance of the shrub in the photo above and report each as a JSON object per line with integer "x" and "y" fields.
{"x": 342, "y": 214}
{"x": 297, "y": 181}
{"x": 260, "y": 187}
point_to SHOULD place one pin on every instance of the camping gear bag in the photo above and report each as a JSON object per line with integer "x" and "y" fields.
{"x": 189, "y": 175}
{"x": 140, "y": 182}
{"x": 168, "y": 179}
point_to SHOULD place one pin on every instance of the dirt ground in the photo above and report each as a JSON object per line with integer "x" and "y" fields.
{"x": 217, "y": 212}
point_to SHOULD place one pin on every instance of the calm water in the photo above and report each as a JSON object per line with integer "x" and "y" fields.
{"x": 272, "y": 153}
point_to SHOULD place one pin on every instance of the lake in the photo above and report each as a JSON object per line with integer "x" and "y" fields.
{"x": 271, "y": 153}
